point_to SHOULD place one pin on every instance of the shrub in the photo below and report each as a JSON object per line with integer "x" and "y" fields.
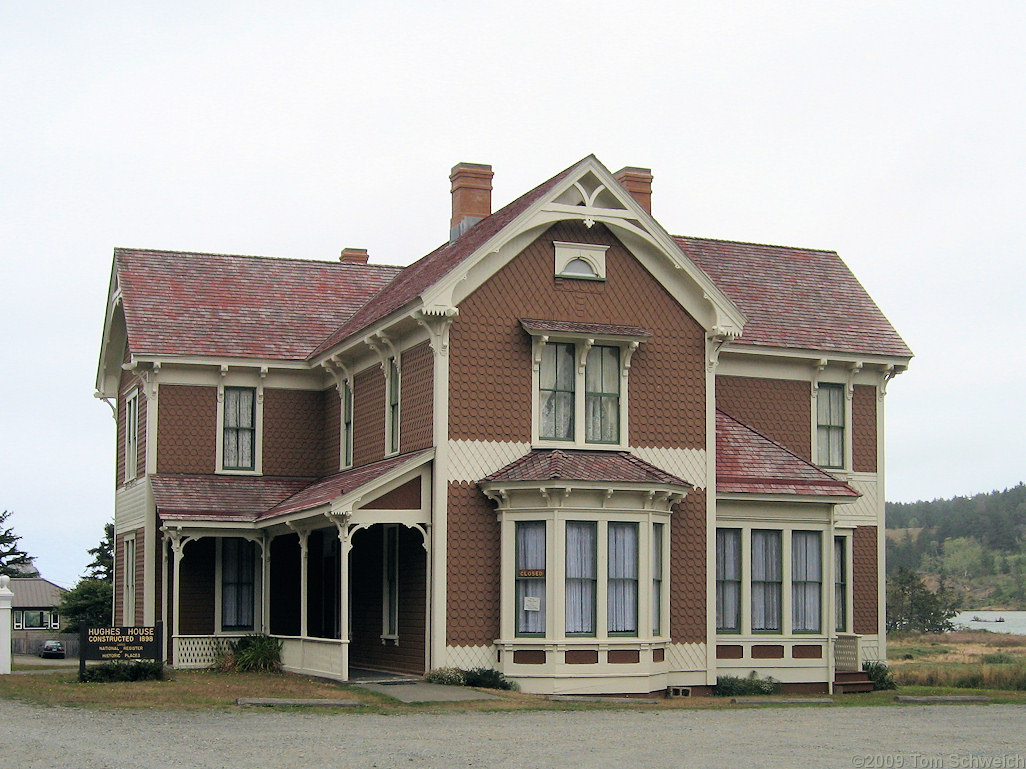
{"x": 109, "y": 672}
{"x": 486, "y": 678}
{"x": 736, "y": 686}
{"x": 256, "y": 652}
{"x": 998, "y": 658}
{"x": 880, "y": 674}
{"x": 446, "y": 677}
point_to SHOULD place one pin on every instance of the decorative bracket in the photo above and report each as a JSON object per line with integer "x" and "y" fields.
{"x": 582, "y": 361}
{"x": 888, "y": 373}
{"x": 628, "y": 353}
{"x": 385, "y": 349}
{"x": 539, "y": 347}
{"x": 853, "y": 370}
{"x": 715, "y": 340}
{"x": 437, "y": 326}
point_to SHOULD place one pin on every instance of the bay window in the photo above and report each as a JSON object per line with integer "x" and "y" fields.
{"x": 766, "y": 581}
{"x": 806, "y": 581}
{"x": 657, "y": 578}
{"x": 622, "y": 580}
{"x": 581, "y": 577}
{"x": 530, "y": 579}
{"x": 728, "y": 580}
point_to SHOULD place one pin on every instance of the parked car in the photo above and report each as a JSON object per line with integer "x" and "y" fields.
{"x": 53, "y": 649}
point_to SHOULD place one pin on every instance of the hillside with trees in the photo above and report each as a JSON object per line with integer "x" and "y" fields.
{"x": 974, "y": 546}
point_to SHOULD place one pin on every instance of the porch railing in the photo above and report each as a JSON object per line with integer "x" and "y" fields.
{"x": 326, "y": 657}
{"x": 847, "y": 655}
{"x": 199, "y": 651}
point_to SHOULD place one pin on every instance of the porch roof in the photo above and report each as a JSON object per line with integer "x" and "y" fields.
{"x": 750, "y": 463}
{"x": 334, "y": 486}
{"x": 220, "y": 497}
{"x": 233, "y": 498}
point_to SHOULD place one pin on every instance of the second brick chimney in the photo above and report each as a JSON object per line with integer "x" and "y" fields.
{"x": 471, "y": 196}
{"x": 353, "y": 256}
{"x": 638, "y": 182}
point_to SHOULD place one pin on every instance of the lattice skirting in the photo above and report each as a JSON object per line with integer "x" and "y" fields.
{"x": 685, "y": 657}
{"x": 469, "y": 657}
{"x": 199, "y": 651}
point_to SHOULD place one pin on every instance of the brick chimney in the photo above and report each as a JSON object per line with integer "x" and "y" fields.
{"x": 354, "y": 256}
{"x": 471, "y": 196}
{"x": 638, "y": 182}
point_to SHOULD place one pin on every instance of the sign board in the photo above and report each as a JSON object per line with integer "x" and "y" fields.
{"x": 119, "y": 644}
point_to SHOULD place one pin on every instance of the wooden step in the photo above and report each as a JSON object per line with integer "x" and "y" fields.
{"x": 852, "y": 682}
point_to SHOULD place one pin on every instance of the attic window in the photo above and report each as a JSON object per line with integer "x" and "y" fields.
{"x": 580, "y": 261}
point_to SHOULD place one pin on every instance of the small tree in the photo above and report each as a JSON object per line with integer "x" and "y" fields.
{"x": 13, "y": 561}
{"x": 913, "y": 606}
{"x": 88, "y": 603}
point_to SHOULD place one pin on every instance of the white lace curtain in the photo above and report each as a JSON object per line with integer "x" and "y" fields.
{"x": 622, "y": 583}
{"x": 530, "y": 589}
{"x": 580, "y": 577}
{"x": 766, "y": 580}
{"x": 728, "y": 579}
{"x": 806, "y": 578}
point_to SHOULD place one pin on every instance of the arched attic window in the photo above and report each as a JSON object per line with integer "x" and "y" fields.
{"x": 579, "y": 269}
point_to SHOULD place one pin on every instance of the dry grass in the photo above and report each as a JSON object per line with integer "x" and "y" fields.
{"x": 961, "y": 660}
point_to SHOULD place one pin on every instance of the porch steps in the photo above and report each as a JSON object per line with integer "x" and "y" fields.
{"x": 852, "y": 682}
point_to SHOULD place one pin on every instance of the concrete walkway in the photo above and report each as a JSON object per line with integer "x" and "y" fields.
{"x": 421, "y": 691}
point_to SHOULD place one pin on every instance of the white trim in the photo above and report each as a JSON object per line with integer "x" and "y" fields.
{"x": 132, "y": 434}
{"x": 231, "y": 380}
{"x": 128, "y": 586}
{"x": 591, "y": 254}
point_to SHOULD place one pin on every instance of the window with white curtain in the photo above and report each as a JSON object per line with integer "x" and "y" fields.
{"x": 237, "y": 584}
{"x": 728, "y": 580}
{"x": 530, "y": 578}
{"x": 131, "y": 435}
{"x": 766, "y": 581}
{"x": 657, "y": 578}
{"x": 581, "y": 577}
{"x": 602, "y": 395}
{"x": 806, "y": 581}
{"x": 239, "y": 428}
{"x": 556, "y": 386}
{"x": 830, "y": 425}
{"x": 840, "y": 585}
{"x": 622, "y": 579}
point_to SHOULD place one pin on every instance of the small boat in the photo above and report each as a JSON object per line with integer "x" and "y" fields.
{"x": 984, "y": 619}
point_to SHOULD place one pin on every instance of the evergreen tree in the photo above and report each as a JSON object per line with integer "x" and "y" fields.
{"x": 912, "y": 606}
{"x": 102, "y": 566}
{"x": 89, "y": 603}
{"x": 13, "y": 561}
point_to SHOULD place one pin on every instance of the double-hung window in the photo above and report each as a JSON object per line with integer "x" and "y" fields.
{"x": 622, "y": 579}
{"x": 602, "y": 395}
{"x": 830, "y": 425}
{"x": 128, "y": 570}
{"x": 767, "y": 581}
{"x": 131, "y": 434}
{"x": 840, "y": 585}
{"x": 728, "y": 580}
{"x": 237, "y": 584}
{"x": 806, "y": 581}
{"x": 556, "y": 386}
{"x": 657, "y": 578}
{"x": 580, "y": 384}
{"x": 581, "y": 577}
{"x": 347, "y": 424}
{"x": 239, "y": 428}
{"x": 530, "y": 578}
{"x": 392, "y": 406}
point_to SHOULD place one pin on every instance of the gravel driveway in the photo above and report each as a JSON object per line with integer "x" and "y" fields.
{"x": 883, "y": 737}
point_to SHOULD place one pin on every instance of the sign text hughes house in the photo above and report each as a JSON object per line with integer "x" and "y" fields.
{"x": 565, "y": 444}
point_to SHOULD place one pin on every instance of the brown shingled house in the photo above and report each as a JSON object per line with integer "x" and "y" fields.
{"x": 564, "y": 444}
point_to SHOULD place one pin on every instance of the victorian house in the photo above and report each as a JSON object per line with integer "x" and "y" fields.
{"x": 565, "y": 444}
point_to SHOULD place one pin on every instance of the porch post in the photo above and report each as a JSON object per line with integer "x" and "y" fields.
{"x": 341, "y": 521}
{"x": 265, "y": 581}
{"x": 178, "y": 547}
{"x": 303, "y": 578}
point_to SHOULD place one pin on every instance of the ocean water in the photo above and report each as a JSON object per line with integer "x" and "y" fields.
{"x": 1014, "y": 621}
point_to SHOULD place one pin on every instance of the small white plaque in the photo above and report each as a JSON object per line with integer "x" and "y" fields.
{"x": 532, "y": 603}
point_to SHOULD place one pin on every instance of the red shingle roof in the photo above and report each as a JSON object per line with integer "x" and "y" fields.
{"x": 749, "y": 463}
{"x": 220, "y": 497}
{"x": 796, "y": 297}
{"x": 572, "y": 327}
{"x": 588, "y": 466}
{"x": 251, "y": 498}
{"x": 238, "y": 306}
{"x": 429, "y": 269}
{"x": 334, "y": 486}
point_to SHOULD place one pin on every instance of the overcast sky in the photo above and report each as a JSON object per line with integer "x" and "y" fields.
{"x": 892, "y": 132}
